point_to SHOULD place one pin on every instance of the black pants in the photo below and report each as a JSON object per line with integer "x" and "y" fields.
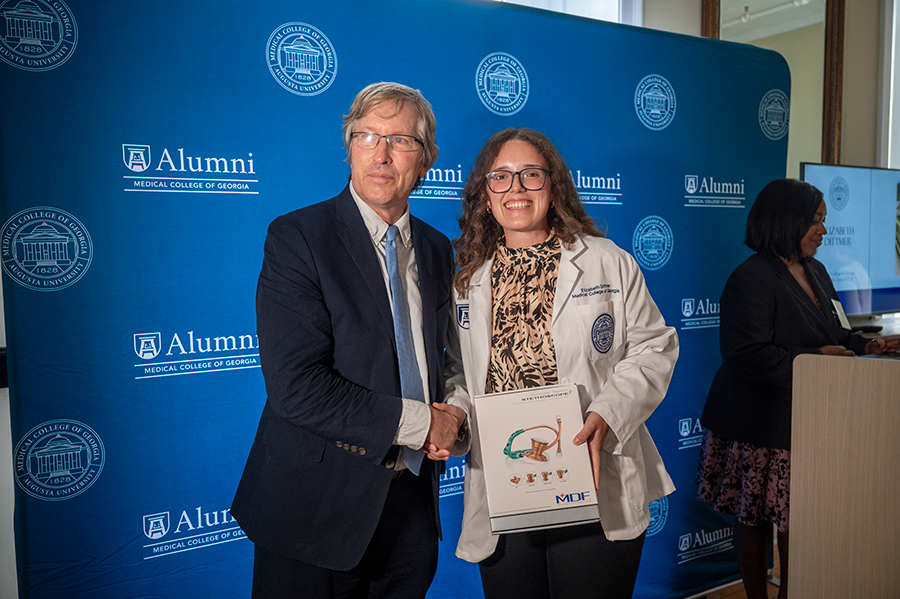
{"x": 400, "y": 561}
{"x": 562, "y": 563}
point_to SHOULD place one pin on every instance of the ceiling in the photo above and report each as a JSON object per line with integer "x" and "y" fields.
{"x": 767, "y": 17}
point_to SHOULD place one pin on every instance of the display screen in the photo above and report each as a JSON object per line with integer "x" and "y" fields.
{"x": 862, "y": 247}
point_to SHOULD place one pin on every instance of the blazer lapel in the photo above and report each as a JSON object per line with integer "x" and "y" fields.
{"x": 827, "y": 307}
{"x": 352, "y": 232}
{"x": 802, "y": 298}
{"x": 426, "y": 273}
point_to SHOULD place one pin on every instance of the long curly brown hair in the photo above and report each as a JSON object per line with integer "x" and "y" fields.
{"x": 481, "y": 231}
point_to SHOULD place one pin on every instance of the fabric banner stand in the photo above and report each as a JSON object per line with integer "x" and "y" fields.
{"x": 144, "y": 148}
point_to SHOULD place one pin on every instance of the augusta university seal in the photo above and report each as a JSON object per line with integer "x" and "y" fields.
{"x": 58, "y": 460}
{"x": 45, "y": 249}
{"x": 502, "y": 83}
{"x": 652, "y": 242}
{"x": 36, "y": 35}
{"x": 839, "y": 193}
{"x": 774, "y": 114}
{"x": 301, "y": 59}
{"x": 654, "y": 102}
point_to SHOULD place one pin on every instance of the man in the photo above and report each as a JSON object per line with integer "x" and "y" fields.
{"x": 351, "y": 318}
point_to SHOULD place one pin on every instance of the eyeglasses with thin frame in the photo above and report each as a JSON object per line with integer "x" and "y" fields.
{"x": 397, "y": 142}
{"x": 532, "y": 179}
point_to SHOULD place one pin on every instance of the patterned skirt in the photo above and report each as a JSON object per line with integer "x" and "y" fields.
{"x": 750, "y": 482}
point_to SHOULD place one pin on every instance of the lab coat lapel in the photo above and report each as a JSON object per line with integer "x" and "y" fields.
{"x": 480, "y": 324}
{"x": 569, "y": 274}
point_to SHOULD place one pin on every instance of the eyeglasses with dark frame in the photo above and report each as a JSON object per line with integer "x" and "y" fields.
{"x": 397, "y": 142}
{"x": 532, "y": 179}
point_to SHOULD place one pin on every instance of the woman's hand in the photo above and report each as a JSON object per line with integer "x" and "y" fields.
{"x": 837, "y": 350}
{"x": 594, "y": 432}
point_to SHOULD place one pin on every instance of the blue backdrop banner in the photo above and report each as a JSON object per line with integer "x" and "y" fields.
{"x": 145, "y": 147}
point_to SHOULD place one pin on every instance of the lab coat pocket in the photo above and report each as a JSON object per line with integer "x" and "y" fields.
{"x": 602, "y": 329}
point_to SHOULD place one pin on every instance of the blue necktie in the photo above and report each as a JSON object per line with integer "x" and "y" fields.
{"x": 410, "y": 379}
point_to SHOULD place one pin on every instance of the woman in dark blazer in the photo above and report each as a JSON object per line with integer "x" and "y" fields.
{"x": 776, "y": 305}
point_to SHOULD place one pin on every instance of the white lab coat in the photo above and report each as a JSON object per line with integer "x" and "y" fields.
{"x": 623, "y": 385}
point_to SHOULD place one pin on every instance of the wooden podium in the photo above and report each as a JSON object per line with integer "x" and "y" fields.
{"x": 845, "y": 478}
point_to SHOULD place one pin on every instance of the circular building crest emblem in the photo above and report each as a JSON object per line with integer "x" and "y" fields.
{"x": 659, "y": 511}
{"x": 36, "y": 35}
{"x": 602, "y": 333}
{"x": 652, "y": 242}
{"x": 45, "y": 249}
{"x": 502, "y": 84}
{"x": 58, "y": 460}
{"x": 839, "y": 193}
{"x": 654, "y": 102}
{"x": 774, "y": 114}
{"x": 301, "y": 59}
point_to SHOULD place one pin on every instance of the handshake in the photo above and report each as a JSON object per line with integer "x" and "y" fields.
{"x": 448, "y": 425}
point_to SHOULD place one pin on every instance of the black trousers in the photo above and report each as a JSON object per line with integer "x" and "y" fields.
{"x": 562, "y": 563}
{"x": 400, "y": 561}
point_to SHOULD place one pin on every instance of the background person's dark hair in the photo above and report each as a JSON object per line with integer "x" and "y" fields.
{"x": 779, "y": 218}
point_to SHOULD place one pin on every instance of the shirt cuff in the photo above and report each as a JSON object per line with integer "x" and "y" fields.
{"x": 415, "y": 420}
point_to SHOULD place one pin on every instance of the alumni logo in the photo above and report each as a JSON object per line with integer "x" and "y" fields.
{"x": 36, "y": 35}
{"x": 699, "y": 313}
{"x": 707, "y": 192}
{"x": 187, "y": 353}
{"x": 196, "y": 528}
{"x": 502, "y": 83}
{"x": 462, "y": 315}
{"x": 691, "y": 433}
{"x": 188, "y": 171}
{"x": 701, "y": 544}
{"x": 440, "y": 184}
{"x": 301, "y": 59}
{"x": 595, "y": 189}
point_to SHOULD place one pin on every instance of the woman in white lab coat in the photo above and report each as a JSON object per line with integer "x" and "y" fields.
{"x": 542, "y": 298}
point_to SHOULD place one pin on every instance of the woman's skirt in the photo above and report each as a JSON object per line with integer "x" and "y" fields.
{"x": 750, "y": 482}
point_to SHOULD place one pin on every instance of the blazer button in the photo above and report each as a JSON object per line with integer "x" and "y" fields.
{"x": 389, "y": 464}
{"x": 346, "y": 446}
{"x": 362, "y": 451}
{"x": 339, "y": 444}
{"x": 354, "y": 449}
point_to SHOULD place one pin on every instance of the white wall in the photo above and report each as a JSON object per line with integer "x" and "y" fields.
{"x": 676, "y": 16}
{"x": 802, "y": 49}
{"x": 859, "y": 116}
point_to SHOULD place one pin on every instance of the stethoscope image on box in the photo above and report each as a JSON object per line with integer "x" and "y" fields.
{"x": 538, "y": 445}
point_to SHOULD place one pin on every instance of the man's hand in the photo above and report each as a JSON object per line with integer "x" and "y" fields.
{"x": 445, "y": 423}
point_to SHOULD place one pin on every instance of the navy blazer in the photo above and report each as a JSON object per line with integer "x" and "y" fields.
{"x": 319, "y": 468}
{"x": 767, "y": 320}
